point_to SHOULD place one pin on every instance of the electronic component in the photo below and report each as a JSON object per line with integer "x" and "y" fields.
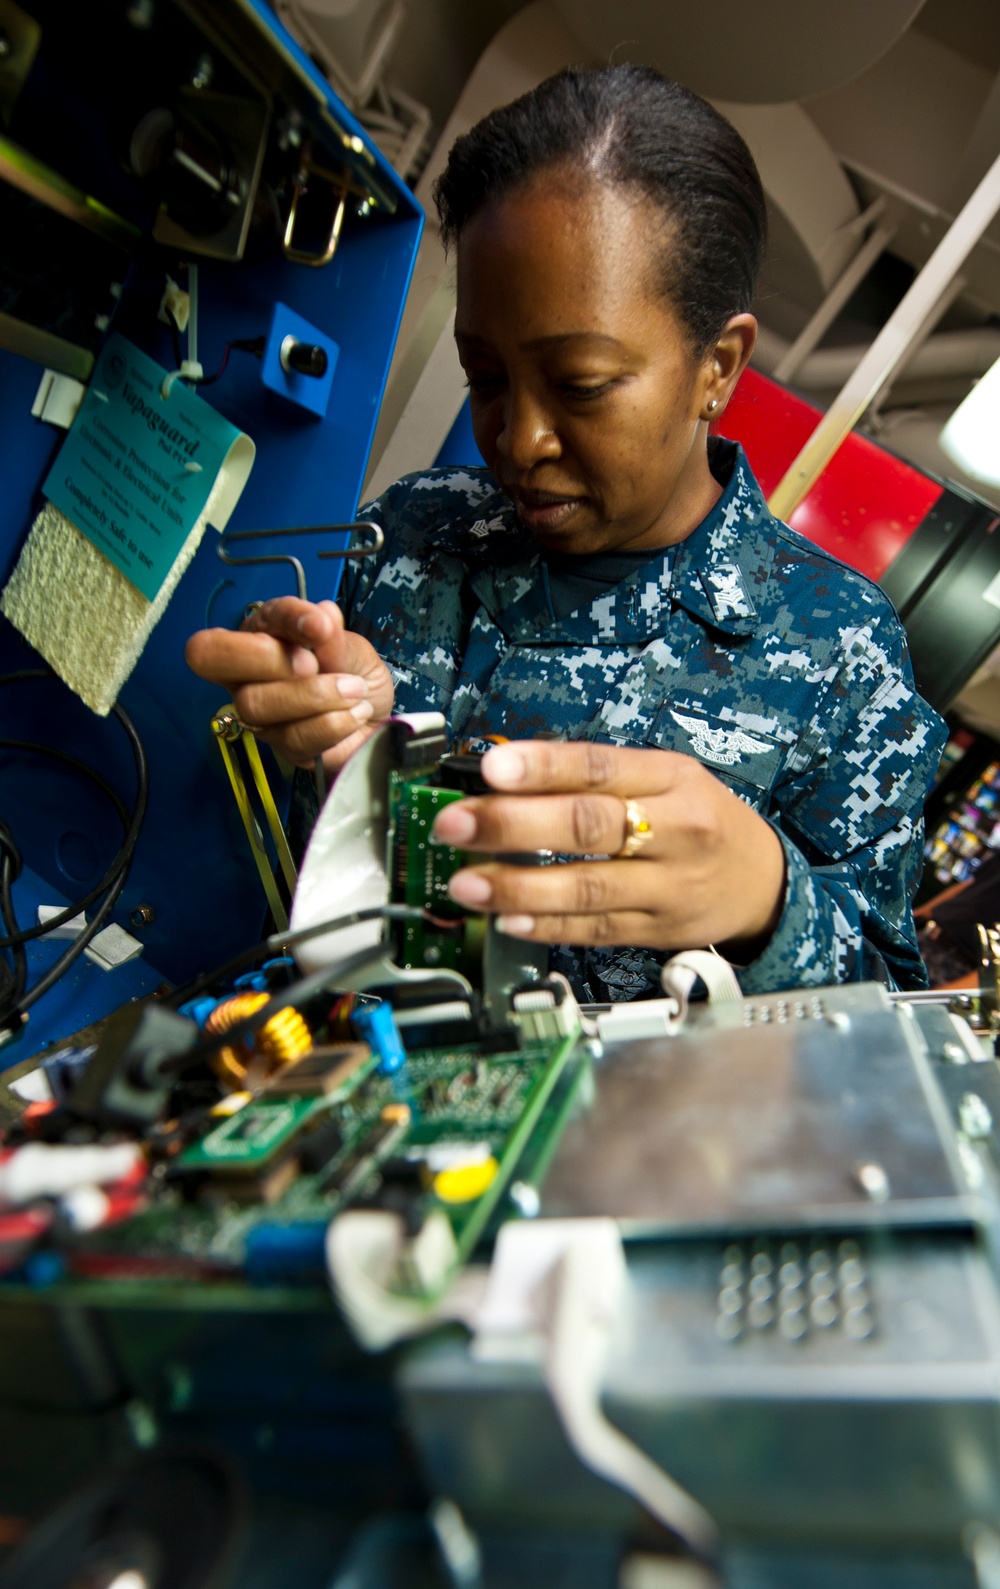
{"x": 462, "y": 1183}
{"x": 250, "y": 1140}
{"x": 546, "y": 1010}
{"x": 351, "y": 1176}
{"x": 321, "y": 1073}
{"x": 423, "y": 871}
{"x": 377, "y": 1025}
{"x": 320, "y": 1144}
{"x": 372, "y": 845}
{"x": 129, "y": 1077}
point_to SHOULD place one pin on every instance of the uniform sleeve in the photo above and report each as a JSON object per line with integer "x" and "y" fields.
{"x": 850, "y": 819}
{"x": 411, "y": 601}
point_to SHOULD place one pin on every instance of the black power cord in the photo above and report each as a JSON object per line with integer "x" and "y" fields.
{"x": 15, "y": 1001}
{"x": 26, "y": 934}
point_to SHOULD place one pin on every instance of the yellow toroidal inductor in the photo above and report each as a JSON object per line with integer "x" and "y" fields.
{"x": 282, "y": 1039}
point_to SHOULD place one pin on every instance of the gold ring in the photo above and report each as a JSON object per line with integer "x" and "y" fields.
{"x": 638, "y": 830}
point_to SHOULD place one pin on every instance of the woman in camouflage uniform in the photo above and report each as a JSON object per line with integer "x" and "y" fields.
{"x": 713, "y": 722}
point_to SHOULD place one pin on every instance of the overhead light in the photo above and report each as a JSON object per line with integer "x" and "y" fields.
{"x": 971, "y": 437}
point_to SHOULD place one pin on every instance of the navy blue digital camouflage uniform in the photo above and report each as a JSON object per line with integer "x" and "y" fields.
{"x": 783, "y": 671}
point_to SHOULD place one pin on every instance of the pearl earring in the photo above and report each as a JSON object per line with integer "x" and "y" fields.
{"x": 712, "y": 404}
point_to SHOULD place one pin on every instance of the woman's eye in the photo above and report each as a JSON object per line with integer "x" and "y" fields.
{"x": 581, "y": 391}
{"x": 484, "y": 385}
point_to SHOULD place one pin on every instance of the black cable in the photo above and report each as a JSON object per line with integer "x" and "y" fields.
{"x": 254, "y": 345}
{"x": 293, "y": 997}
{"x": 206, "y": 380}
{"x": 15, "y": 980}
{"x": 26, "y": 934}
{"x": 58, "y": 968}
{"x": 285, "y": 940}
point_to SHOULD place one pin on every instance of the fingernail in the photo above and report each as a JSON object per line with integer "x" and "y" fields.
{"x": 362, "y": 712}
{"x": 351, "y": 688}
{"x": 304, "y": 664}
{"x": 470, "y": 888}
{"x": 516, "y": 926}
{"x": 456, "y": 825}
{"x": 504, "y": 765}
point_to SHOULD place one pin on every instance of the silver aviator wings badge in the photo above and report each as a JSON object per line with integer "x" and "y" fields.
{"x": 723, "y": 746}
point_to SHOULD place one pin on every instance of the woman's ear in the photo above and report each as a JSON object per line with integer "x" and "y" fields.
{"x": 725, "y": 362}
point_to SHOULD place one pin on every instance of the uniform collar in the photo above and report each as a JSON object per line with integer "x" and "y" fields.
{"x": 718, "y": 574}
{"x": 721, "y": 570}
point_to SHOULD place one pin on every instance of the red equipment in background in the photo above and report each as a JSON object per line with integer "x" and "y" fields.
{"x": 865, "y": 505}
{"x": 931, "y": 546}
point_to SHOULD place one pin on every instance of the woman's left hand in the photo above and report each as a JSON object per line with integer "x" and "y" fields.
{"x": 711, "y": 872}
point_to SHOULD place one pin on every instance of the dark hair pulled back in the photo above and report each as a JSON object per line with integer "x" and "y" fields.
{"x": 630, "y": 126}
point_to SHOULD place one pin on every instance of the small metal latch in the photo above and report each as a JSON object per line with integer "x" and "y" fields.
{"x": 300, "y": 256}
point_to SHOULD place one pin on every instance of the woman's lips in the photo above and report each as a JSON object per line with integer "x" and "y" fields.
{"x": 544, "y": 510}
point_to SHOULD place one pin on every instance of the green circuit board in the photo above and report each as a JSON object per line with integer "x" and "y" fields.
{"x": 422, "y": 871}
{"x": 504, "y": 1110}
{"x": 243, "y": 1186}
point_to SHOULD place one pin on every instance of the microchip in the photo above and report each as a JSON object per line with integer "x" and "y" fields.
{"x": 249, "y": 1142}
{"x": 322, "y": 1142}
{"x": 319, "y": 1073}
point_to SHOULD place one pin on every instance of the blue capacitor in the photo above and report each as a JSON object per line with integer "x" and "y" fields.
{"x": 280, "y": 971}
{"x": 252, "y": 982}
{"x": 376, "y": 1025}
{"x": 286, "y": 1252}
{"x": 198, "y": 1009}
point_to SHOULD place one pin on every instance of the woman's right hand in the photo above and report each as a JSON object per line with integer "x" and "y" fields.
{"x": 298, "y": 678}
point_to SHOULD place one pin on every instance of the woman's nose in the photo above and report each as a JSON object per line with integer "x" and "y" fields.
{"x": 528, "y": 432}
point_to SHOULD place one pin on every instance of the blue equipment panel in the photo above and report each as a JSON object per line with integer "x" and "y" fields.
{"x": 192, "y": 868}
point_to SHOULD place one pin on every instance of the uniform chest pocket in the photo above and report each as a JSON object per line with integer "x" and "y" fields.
{"x": 743, "y": 758}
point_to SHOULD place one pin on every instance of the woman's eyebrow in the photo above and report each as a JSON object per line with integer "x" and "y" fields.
{"x": 558, "y": 339}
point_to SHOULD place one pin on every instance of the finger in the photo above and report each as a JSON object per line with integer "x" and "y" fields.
{"x": 337, "y": 755}
{"x": 230, "y": 658}
{"x": 540, "y": 765}
{"x": 613, "y": 927}
{"x": 318, "y": 627}
{"x": 576, "y": 888}
{"x": 305, "y": 623}
{"x": 284, "y": 701}
{"x": 577, "y": 824}
{"x": 302, "y": 741}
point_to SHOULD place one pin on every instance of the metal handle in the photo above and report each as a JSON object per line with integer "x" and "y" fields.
{"x": 299, "y": 256}
{"x": 373, "y": 546}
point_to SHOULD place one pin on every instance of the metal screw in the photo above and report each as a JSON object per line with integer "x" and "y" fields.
{"x": 226, "y": 724}
{"x": 142, "y": 916}
{"x": 955, "y": 1053}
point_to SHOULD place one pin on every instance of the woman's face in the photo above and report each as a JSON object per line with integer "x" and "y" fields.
{"x": 588, "y": 403}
